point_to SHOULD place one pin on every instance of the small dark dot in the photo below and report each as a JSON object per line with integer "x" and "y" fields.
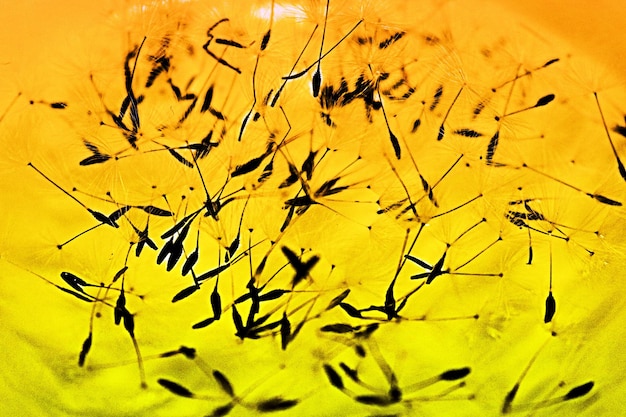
{"x": 360, "y": 351}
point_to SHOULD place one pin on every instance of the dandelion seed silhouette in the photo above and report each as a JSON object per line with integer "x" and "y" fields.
{"x": 312, "y": 208}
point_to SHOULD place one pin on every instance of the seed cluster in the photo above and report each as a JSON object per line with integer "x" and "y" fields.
{"x": 389, "y": 210}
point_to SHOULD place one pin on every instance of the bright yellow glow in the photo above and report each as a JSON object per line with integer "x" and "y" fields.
{"x": 438, "y": 232}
